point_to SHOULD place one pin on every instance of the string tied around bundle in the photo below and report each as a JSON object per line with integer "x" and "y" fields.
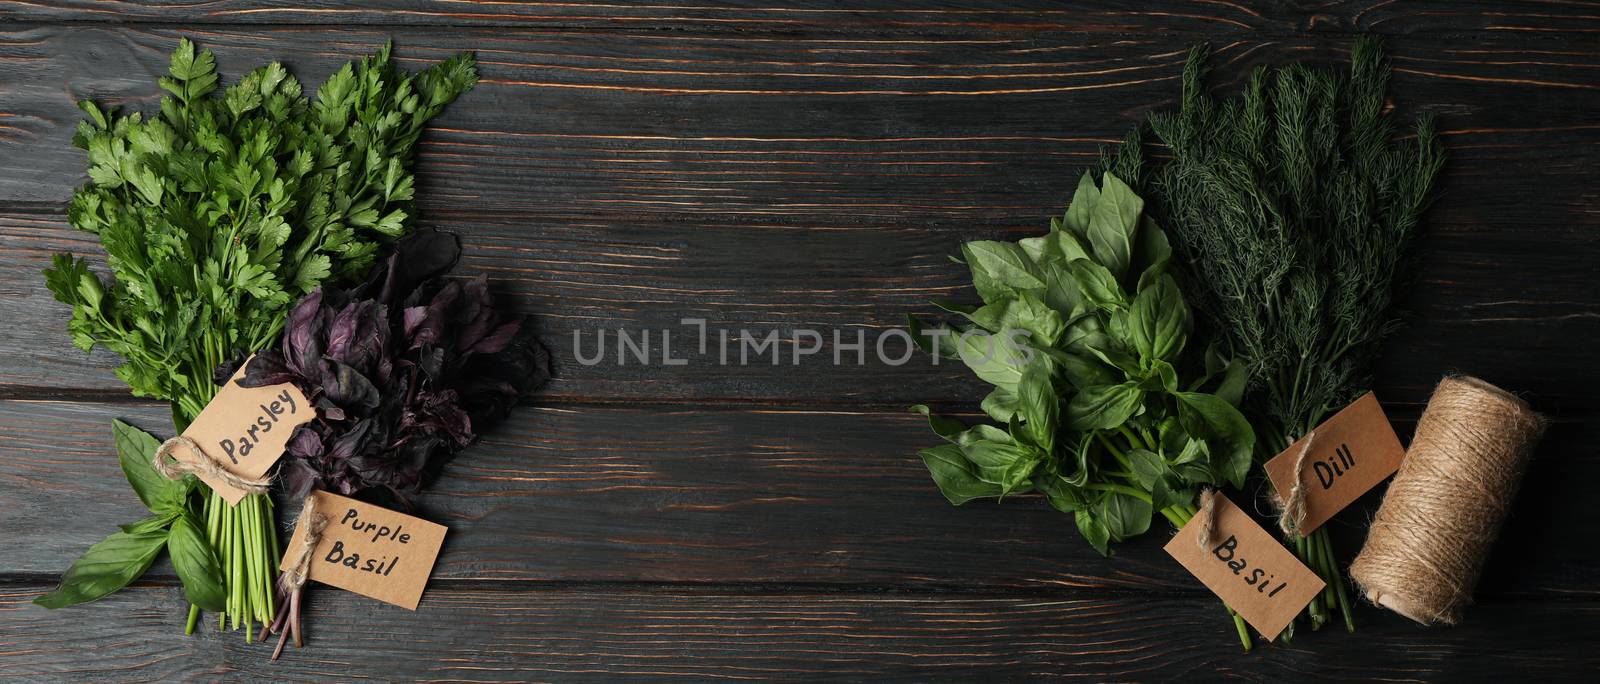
{"x": 292, "y": 582}
{"x": 1294, "y": 507}
{"x": 1431, "y": 535}
{"x": 315, "y": 523}
{"x": 174, "y": 468}
{"x": 1207, "y": 517}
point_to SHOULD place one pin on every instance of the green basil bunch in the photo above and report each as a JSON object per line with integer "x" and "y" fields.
{"x": 125, "y": 555}
{"x": 1104, "y": 406}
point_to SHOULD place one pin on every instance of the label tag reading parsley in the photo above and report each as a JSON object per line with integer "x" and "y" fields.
{"x": 371, "y": 551}
{"x": 1247, "y": 567}
{"x": 245, "y": 429}
{"x": 1350, "y": 454}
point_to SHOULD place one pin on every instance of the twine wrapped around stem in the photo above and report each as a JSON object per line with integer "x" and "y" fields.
{"x": 291, "y": 584}
{"x": 1294, "y": 507}
{"x": 1443, "y": 511}
{"x": 1207, "y": 515}
{"x": 204, "y": 463}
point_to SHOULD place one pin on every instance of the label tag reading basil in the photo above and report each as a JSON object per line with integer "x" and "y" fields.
{"x": 371, "y": 551}
{"x": 1350, "y": 454}
{"x": 1247, "y": 567}
{"x": 245, "y": 429}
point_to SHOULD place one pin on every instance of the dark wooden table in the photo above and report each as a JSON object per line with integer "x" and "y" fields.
{"x": 630, "y": 164}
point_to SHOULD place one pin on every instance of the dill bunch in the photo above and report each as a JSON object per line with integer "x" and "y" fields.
{"x": 1295, "y": 206}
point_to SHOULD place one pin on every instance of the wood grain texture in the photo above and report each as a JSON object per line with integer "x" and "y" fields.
{"x": 776, "y": 496}
{"x": 811, "y": 183}
{"x": 1517, "y": 17}
{"x": 600, "y": 634}
{"x": 630, "y": 163}
{"x": 854, "y": 129}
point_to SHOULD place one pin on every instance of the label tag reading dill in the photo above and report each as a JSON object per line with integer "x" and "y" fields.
{"x": 1349, "y": 454}
{"x": 371, "y": 550}
{"x": 1249, "y": 569}
{"x": 244, "y": 430}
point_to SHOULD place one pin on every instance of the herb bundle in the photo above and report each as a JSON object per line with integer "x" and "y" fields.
{"x": 405, "y": 370}
{"x": 1295, "y": 208}
{"x": 1107, "y": 408}
{"x": 216, "y": 214}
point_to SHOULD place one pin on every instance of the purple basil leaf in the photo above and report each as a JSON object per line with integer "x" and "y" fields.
{"x": 266, "y": 368}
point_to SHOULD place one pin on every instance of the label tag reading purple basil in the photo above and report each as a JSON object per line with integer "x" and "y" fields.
{"x": 371, "y": 550}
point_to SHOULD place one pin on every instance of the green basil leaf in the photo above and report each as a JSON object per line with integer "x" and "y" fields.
{"x": 1060, "y": 289}
{"x": 1084, "y": 373}
{"x": 1148, "y": 468}
{"x": 1029, "y": 312}
{"x": 954, "y": 307}
{"x": 159, "y": 521}
{"x": 1103, "y": 407}
{"x": 1001, "y": 404}
{"x": 1124, "y": 516}
{"x": 1093, "y": 530}
{"x": 991, "y": 316}
{"x": 1084, "y": 200}
{"x": 1083, "y": 333}
{"x": 956, "y": 432}
{"x": 1098, "y": 284}
{"x": 997, "y": 359}
{"x": 1061, "y": 494}
{"x": 1234, "y": 380}
{"x": 197, "y": 564}
{"x": 1163, "y": 377}
{"x": 1158, "y": 322}
{"x": 1163, "y": 497}
{"x": 940, "y": 343}
{"x": 1227, "y": 433}
{"x": 1153, "y": 252}
{"x": 1002, "y": 266}
{"x": 1006, "y": 464}
{"x": 1113, "y": 224}
{"x": 106, "y": 567}
{"x": 954, "y": 475}
{"x": 136, "y": 449}
{"x": 948, "y": 428}
{"x": 1039, "y": 248}
{"x": 1041, "y": 407}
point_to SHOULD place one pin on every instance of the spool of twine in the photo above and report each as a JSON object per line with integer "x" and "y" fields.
{"x": 1443, "y": 510}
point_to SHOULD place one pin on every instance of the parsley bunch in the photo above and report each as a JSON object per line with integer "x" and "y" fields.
{"x": 216, "y": 214}
{"x": 220, "y": 212}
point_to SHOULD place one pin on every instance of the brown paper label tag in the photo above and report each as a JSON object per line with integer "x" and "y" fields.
{"x": 1247, "y": 567}
{"x": 371, "y": 550}
{"x": 1350, "y": 454}
{"x": 245, "y": 429}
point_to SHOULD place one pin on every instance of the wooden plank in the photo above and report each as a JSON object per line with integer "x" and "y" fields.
{"x": 581, "y": 275}
{"x": 932, "y": 132}
{"x": 783, "y": 496}
{"x": 895, "y": 16}
{"x": 598, "y": 634}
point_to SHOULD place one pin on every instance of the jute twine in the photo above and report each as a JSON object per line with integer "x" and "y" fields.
{"x": 1294, "y": 509}
{"x": 175, "y": 468}
{"x": 1207, "y": 515}
{"x": 1443, "y": 510}
{"x": 315, "y": 523}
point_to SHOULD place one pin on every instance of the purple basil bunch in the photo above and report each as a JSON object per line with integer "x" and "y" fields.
{"x": 405, "y": 370}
